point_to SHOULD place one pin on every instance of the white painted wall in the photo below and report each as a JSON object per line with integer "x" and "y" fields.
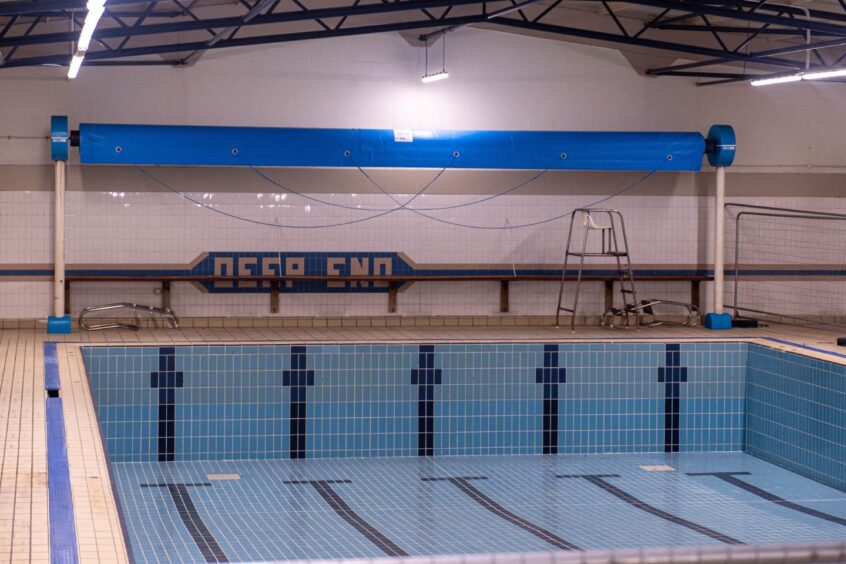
{"x": 497, "y": 81}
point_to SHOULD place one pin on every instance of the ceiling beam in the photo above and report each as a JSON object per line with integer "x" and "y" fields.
{"x": 736, "y": 14}
{"x": 641, "y": 42}
{"x": 242, "y": 41}
{"x": 234, "y": 21}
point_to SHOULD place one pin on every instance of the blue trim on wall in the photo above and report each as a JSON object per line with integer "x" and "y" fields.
{"x": 167, "y": 379}
{"x": 426, "y": 377}
{"x": 298, "y": 378}
{"x": 63, "y": 549}
{"x": 550, "y": 376}
{"x": 672, "y": 374}
{"x": 309, "y": 147}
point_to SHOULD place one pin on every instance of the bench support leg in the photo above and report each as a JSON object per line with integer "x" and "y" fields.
{"x": 274, "y": 296}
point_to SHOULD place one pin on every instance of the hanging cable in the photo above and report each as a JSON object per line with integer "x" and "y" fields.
{"x": 363, "y": 208}
{"x": 257, "y": 222}
{"x": 519, "y": 226}
{"x": 625, "y": 189}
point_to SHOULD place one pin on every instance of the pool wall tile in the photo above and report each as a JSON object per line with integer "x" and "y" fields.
{"x": 364, "y": 401}
{"x": 796, "y": 414}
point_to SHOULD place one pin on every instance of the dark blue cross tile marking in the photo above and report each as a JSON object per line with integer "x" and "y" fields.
{"x": 167, "y": 379}
{"x": 731, "y": 478}
{"x": 550, "y": 376}
{"x": 198, "y": 530}
{"x": 426, "y": 377}
{"x": 463, "y": 484}
{"x": 345, "y": 512}
{"x": 672, "y": 374}
{"x": 298, "y": 378}
{"x": 600, "y": 481}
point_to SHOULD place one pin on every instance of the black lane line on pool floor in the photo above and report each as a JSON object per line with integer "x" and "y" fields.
{"x": 426, "y": 377}
{"x": 345, "y": 512}
{"x": 463, "y": 484}
{"x": 550, "y": 376}
{"x": 198, "y": 530}
{"x": 298, "y": 378}
{"x": 599, "y": 481}
{"x": 731, "y": 478}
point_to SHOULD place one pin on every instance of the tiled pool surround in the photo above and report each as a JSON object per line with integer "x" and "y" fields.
{"x": 245, "y": 411}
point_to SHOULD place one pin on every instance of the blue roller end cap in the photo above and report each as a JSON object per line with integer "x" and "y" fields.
{"x": 59, "y": 138}
{"x": 717, "y": 321}
{"x": 59, "y": 325}
{"x": 721, "y": 145}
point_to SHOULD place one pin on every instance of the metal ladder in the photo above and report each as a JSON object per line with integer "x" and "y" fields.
{"x": 605, "y": 222}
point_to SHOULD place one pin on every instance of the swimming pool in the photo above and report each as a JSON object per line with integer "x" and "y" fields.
{"x": 274, "y": 452}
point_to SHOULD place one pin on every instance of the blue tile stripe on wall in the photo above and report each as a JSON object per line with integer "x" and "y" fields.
{"x": 672, "y": 374}
{"x": 298, "y": 378}
{"x": 167, "y": 379}
{"x": 63, "y": 546}
{"x": 426, "y": 377}
{"x": 550, "y": 376}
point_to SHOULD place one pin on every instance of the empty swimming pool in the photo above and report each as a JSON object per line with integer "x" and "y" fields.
{"x": 276, "y": 452}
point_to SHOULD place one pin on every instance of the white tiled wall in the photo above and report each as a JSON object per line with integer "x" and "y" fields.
{"x": 132, "y": 228}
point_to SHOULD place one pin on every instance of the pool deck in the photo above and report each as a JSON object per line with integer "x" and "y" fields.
{"x": 23, "y": 458}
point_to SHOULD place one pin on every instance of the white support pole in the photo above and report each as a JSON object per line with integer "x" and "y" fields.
{"x": 719, "y": 239}
{"x": 59, "y": 241}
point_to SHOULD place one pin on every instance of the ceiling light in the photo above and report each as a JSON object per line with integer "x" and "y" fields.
{"x": 88, "y": 27}
{"x": 92, "y": 18}
{"x": 441, "y": 74}
{"x": 824, "y": 74}
{"x": 777, "y": 80}
{"x": 435, "y": 76}
{"x": 75, "y": 63}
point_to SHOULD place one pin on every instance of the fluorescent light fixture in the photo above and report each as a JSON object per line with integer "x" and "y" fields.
{"x": 777, "y": 80}
{"x": 76, "y": 62}
{"x": 824, "y": 74}
{"x": 92, "y": 18}
{"x": 427, "y": 78}
{"x": 88, "y": 27}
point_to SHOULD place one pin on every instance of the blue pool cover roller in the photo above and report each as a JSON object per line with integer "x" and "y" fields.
{"x": 116, "y": 144}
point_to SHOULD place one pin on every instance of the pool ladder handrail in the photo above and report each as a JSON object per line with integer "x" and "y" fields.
{"x": 646, "y": 317}
{"x": 168, "y": 313}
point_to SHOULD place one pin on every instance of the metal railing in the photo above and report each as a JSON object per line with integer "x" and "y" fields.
{"x": 167, "y": 313}
{"x": 750, "y": 554}
{"x": 648, "y": 317}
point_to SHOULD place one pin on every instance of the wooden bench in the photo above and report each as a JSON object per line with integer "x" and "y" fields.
{"x": 393, "y": 284}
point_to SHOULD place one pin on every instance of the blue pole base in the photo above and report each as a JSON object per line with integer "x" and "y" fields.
{"x": 59, "y": 325}
{"x": 717, "y": 321}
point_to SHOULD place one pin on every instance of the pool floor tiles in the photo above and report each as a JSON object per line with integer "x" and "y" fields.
{"x": 230, "y": 511}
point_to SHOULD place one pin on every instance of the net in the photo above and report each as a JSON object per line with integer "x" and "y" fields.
{"x": 785, "y": 264}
